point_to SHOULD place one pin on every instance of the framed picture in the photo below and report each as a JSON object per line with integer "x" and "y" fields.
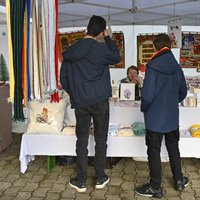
{"x": 127, "y": 91}
{"x": 115, "y": 90}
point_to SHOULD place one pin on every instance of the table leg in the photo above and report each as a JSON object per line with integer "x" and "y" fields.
{"x": 50, "y": 163}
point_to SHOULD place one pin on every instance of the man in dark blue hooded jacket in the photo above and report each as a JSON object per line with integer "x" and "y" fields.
{"x": 85, "y": 76}
{"x": 164, "y": 87}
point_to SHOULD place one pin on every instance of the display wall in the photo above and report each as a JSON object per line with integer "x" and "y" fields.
{"x": 130, "y": 34}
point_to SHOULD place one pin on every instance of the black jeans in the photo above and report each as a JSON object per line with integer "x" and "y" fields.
{"x": 100, "y": 114}
{"x": 153, "y": 142}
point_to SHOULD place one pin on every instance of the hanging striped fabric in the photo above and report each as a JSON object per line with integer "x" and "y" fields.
{"x": 27, "y": 48}
{"x": 12, "y": 80}
{"x": 17, "y": 9}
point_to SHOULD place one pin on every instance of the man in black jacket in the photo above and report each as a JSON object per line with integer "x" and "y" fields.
{"x": 85, "y": 76}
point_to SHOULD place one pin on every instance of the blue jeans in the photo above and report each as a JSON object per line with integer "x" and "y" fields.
{"x": 100, "y": 114}
{"x": 153, "y": 142}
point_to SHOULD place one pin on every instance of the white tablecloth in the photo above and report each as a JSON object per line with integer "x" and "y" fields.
{"x": 39, "y": 144}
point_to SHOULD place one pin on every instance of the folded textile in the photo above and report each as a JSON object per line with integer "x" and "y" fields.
{"x": 69, "y": 130}
{"x": 71, "y": 124}
{"x": 195, "y": 130}
{"x": 139, "y": 128}
{"x": 196, "y": 133}
{"x": 113, "y": 129}
{"x": 125, "y": 130}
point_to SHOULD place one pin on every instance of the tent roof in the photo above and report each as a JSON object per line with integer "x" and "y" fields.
{"x": 76, "y": 13}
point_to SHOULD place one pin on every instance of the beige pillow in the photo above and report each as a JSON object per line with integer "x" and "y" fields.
{"x": 46, "y": 118}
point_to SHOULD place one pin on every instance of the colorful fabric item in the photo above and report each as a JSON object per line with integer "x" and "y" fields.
{"x": 46, "y": 117}
{"x": 119, "y": 40}
{"x": 125, "y": 130}
{"x": 139, "y": 128}
{"x": 195, "y": 130}
{"x": 113, "y": 129}
{"x": 17, "y": 9}
{"x": 12, "y": 80}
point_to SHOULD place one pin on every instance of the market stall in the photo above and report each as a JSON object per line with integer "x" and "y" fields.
{"x": 134, "y": 146}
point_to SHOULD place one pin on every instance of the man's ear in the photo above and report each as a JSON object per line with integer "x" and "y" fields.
{"x": 101, "y": 33}
{"x": 154, "y": 48}
{"x": 87, "y": 28}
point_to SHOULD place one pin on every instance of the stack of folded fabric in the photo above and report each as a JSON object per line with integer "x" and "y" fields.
{"x": 113, "y": 129}
{"x": 125, "y": 130}
{"x": 70, "y": 129}
{"x": 195, "y": 130}
{"x": 139, "y": 128}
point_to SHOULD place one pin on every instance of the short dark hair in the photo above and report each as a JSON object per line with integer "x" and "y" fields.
{"x": 97, "y": 24}
{"x": 162, "y": 40}
{"x": 133, "y": 67}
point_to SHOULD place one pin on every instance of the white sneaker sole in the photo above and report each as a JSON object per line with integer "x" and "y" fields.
{"x": 77, "y": 189}
{"x": 103, "y": 185}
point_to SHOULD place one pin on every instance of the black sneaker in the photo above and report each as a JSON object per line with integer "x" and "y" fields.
{"x": 147, "y": 191}
{"x": 101, "y": 183}
{"x": 80, "y": 187}
{"x": 180, "y": 185}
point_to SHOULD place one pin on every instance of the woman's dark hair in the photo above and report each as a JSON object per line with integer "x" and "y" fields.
{"x": 162, "y": 40}
{"x": 96, "y": 25}
{"x": 133, "y": 67}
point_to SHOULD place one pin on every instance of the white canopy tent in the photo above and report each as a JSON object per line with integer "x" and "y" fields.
{"x": 75, "y": 13}
{"x": 133, "y": 17}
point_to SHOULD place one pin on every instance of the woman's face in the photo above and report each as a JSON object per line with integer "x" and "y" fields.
{"x": 132, "y": 73}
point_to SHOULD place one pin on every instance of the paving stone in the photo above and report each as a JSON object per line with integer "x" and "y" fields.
{"x": 23, "y": 195}
{"x": 5, "y": 185}
{"x": 6, "y": 197}
{"x": 174, "y": 198}
{"x": 83, "y": 196}
{"x": 30, "y": 187}
{"x": 69, "y": 193}
{"x": 128, "y": 186}
{"x": 114, "y": 190}
{"x": 197, "y": 192}
{"x": 4, "y": 173}
{"x": 12, "y": 191}
{"x": 115, "y": 181}
{"x": 141, "y": 181}
{"x": 53, "y": 196}
{"x": 58, "y": 187}
{"x": 112, "y": 197}
{"x": 127, "y": 195}
{"x": 98, "y": 193}
{"x": 12, "y": 177}
{"x": 195, "y": 183}
{"x": 189, "y": 196}
{"x": 62, "y": 179}
{"x": 129, "y": 177}
{"x": 130, "y": 169}
{"x": 34, "y": 167}
{"x": 169, "y": 191}
{"x": 36, "y": 179}
{"x": 47, "y": 183}
{"x": 41, "y": 171}
{"x": 40, "y": 192}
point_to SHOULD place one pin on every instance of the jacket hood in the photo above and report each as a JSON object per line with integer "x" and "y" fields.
{"x": 165, "y": 64}
{"x": 78, "y": 50}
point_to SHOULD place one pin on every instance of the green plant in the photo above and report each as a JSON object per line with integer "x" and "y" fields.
{"x": 4, "y": 74}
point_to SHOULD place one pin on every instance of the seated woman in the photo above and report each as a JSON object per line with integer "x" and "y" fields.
{"x": 132, "y": 77}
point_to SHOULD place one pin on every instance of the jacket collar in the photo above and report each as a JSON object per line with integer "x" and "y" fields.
{"x": 160, "y": 53}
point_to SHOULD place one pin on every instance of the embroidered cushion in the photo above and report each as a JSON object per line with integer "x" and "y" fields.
{"x": 46, "y": 118}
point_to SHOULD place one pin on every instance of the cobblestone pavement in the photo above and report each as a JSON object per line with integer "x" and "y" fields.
{"x": 37, "y": 184}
